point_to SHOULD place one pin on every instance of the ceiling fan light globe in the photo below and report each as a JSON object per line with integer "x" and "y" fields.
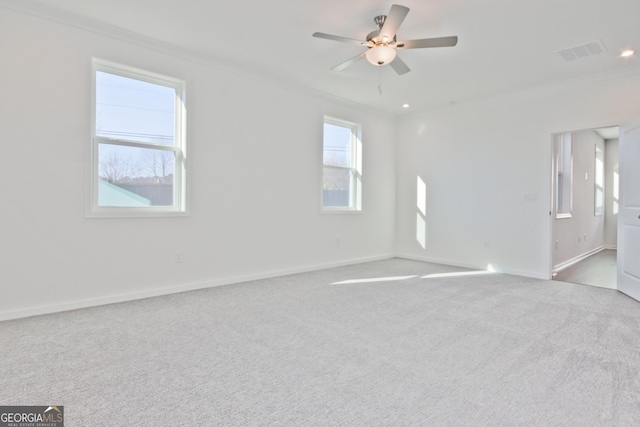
{"x": 380, "y": 55}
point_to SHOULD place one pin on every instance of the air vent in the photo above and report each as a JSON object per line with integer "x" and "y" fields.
{"x": 582, "y": 51}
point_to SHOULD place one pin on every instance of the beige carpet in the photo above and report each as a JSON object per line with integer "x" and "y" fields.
{"x": 397, "y": 344}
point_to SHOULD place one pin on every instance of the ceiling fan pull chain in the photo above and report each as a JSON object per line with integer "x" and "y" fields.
{"x": 380, "y": 81}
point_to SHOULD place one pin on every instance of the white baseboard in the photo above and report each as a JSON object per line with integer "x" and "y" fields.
{"x": 568, "y": 263}
{"x": 514, "y": 272}
{"x": 112, "y": 299}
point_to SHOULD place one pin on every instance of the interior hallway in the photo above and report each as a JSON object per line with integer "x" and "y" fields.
{"x": 597, "y": 270}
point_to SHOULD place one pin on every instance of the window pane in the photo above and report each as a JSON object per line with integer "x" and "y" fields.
{"x": 135, "y": 110}
{"x": 599, "y": 182}
{"x": 133, "y": 177}
{"x": 336, "y": 187}
{"x": 337, "y": 145}
{"x": 564, "y": 173}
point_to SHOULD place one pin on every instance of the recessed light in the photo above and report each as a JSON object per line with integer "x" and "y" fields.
{"x": 627, "y": 53}
{"x": 406, "y": 105}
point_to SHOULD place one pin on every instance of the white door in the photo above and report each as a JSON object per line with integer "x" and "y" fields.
{"x": 629, "y": 214}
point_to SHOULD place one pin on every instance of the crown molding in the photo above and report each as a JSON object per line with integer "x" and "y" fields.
{"x": 526, "y": 93}
{"x": 127, "y": 36}
{"x": 200, "y": 58}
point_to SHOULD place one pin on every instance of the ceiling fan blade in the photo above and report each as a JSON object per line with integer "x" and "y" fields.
{"x": 392, "y": 22}
{"x": 399, "y": 66}
{"x": 337, "y": 38}
{"x": 349, "y": 62}
{"x": 435, "y": 42}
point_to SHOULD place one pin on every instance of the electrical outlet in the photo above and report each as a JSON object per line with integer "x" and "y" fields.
{"x": 179, "y": 257}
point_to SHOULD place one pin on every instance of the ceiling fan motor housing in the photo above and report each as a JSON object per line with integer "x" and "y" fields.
{"x": 379, "y": 53}
{"x": 373, "y": 36}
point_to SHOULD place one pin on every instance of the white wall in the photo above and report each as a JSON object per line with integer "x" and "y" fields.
{"x": 611, "y": 161}
{"x": 487, "y": 169}
{"x": 254, "y": 179}
{"x": 582, "y": 232}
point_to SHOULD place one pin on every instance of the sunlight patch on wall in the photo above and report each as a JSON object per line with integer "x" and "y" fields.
{"x": 421, "y": 221}
{"x": 616, "y": 191}
{"x": 421, "y": 231}
{"x": 421, "y": 197}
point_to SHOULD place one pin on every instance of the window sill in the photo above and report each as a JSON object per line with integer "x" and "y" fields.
{"x": 340, "y": 212}
{"x": 129, "y": 213}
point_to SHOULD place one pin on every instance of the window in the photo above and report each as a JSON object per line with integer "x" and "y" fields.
{"x": 342, "y": 166}
{"x": 564, "y": 172}
{"x": 138, "y": 147}
{"x": 599, "y": 182}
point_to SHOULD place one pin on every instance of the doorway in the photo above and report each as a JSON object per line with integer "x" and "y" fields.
{"x": 584, "y": 211}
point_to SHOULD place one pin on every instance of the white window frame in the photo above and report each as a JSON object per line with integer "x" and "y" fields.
{"x": 598, "y": 182}
{"x": 564, "y": 175}
{"x": 355, "y": 190}
{"x": 179, "y": 207}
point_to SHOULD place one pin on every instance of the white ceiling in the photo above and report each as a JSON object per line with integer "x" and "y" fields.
{"x": 504, "y": 45}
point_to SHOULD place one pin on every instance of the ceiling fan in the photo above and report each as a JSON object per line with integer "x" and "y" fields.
{"x": 382, "y": 44}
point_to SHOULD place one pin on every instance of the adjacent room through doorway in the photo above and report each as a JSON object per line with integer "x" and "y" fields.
{"x": 596, "y": 270}
{"x": 585, "y": 206}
